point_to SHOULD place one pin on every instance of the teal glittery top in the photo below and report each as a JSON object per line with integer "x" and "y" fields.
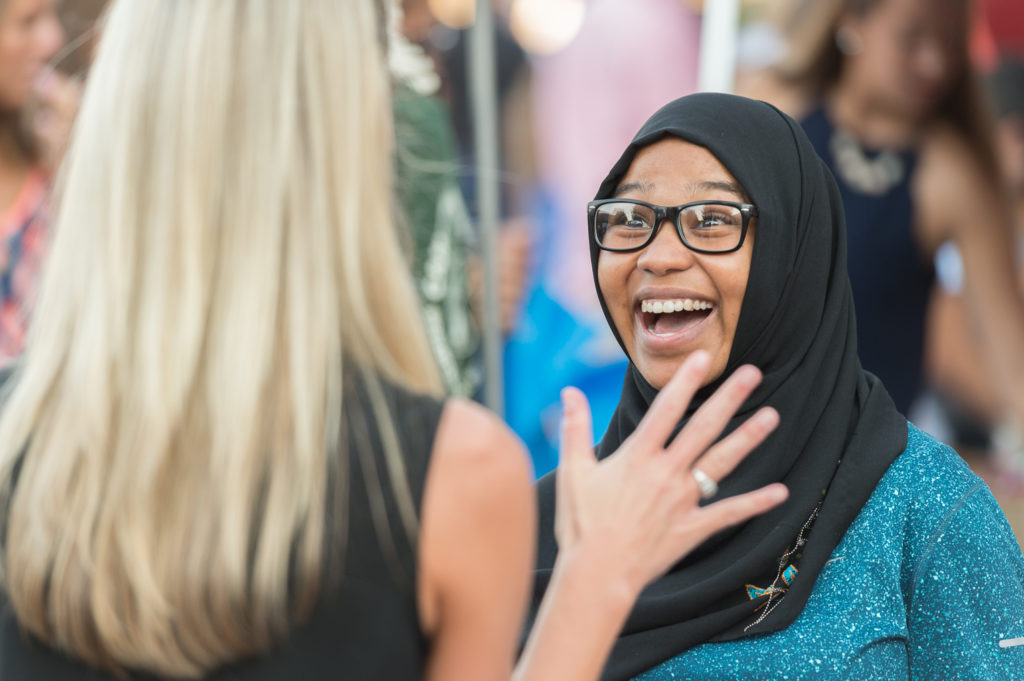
{"x": 928, "y": 583}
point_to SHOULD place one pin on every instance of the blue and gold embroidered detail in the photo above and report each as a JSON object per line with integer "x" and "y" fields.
{"x": 788, "y": 575}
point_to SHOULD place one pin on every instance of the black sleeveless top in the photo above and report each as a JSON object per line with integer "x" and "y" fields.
{"x": 366, "y": 627}
{"x": 891, "y": 278}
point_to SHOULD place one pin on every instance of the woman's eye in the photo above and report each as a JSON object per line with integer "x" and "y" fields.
{"x": 716, "y": 220}
{"x": 626, "y": 220}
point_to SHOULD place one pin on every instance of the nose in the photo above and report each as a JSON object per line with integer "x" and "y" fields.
{"x": 666, "y": 252}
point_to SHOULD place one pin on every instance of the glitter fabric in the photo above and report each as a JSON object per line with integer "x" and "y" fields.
{"x": 928, "y": 583}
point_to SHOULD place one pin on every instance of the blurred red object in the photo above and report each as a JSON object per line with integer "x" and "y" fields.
{"x": 998, "y": 30}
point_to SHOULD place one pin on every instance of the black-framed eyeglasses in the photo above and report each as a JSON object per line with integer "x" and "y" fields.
{"x": 624, "y": 225}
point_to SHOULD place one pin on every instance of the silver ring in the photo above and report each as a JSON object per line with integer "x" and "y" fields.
{"x": 708, "y": 487}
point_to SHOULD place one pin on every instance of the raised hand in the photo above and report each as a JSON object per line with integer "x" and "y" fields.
{"x": 637, "y": 512}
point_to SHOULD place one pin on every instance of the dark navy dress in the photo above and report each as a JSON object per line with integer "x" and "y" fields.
{"x": 890, "y": 276}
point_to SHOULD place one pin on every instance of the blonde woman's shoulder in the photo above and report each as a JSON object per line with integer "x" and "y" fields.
{"x": 476, "y": 545}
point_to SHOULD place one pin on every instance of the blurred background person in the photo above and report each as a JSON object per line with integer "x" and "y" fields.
{"x": 80, "y": 19}
{"x": 967, "y": 396}
{"x": 33, "y": 111}
{"x": 887, "y": 93}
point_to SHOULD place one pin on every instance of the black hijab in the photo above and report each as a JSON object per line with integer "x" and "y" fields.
{"x": 839, "y": 429}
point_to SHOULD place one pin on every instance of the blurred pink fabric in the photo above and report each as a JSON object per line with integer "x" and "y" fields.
{"x": 628, "y": 60}
{"x": 22, "y": 229}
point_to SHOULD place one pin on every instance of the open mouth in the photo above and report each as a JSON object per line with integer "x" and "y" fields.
{"x": 669, "y": 317}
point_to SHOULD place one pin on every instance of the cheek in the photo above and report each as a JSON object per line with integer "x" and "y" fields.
{"x": 732, "y": 295}
{"x": 732, "y": 282}
{"x": 612, "y": 277}
{"x": 11, "y": 62}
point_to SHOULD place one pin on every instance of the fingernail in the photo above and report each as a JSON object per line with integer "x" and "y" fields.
{"x": 748, "y": 375}
{"x": 568, "y": 398}
{"x": 701, "y": 360}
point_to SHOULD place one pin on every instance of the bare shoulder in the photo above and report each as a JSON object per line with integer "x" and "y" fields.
{"x": 945, "y": 149}
{"x": 950, "y": 166}
{"x": 478, "y": 505}
{"x": 769, "y": 86}
{"x": 478, "y": 466}
{"x": 476, "y": 443}
{"x": 950, "y": 178}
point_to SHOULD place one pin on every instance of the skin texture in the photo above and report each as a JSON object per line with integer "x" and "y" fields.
{"x": 30, "y": 35}
{"x": 668, "y": 173}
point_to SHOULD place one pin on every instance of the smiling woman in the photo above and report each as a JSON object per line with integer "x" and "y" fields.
{"x": 666, "y": 299}
{"x": 849, "y": 578}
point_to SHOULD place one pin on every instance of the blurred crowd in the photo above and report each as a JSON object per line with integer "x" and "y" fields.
{"x": 919, "y": 112}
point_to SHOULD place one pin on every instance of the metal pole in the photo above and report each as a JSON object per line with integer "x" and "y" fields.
{"x": 718, "y": 37}
{"x": 485, "y": 136}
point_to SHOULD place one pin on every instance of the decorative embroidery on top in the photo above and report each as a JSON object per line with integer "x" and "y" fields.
{"x": 788, "y": 575}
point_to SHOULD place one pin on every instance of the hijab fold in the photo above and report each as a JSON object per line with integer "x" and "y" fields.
{"x": 839, "y": 429}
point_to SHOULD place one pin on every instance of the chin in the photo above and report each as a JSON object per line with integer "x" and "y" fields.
{"x": 658, "y": 373}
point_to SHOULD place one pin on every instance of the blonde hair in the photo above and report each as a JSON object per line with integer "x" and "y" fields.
{"x": 813, "y": 63}
{"x": 224, "y": 243}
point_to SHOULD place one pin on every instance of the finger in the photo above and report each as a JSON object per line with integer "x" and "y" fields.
{"x": 724, "y": 456}
{"x": 576, "y": 446}
{"x": 709, "y": 421}
{"x": 671, "y": 403}
{"x": 575, "y": 450}
{"x": 577, "y": 433}
{"x": 739, "y": 509}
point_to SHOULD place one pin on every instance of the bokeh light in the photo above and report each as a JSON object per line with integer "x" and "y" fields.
{"x": 456, "y": 14}
{"x": 546, "y": 26}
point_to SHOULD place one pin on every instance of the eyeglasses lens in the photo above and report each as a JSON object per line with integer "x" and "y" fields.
{"x": 708, "y": 227}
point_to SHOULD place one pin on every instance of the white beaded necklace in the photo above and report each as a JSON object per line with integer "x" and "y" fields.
{"x": 873, "y": 177}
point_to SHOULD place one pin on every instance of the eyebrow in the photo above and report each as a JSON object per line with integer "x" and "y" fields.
{"x": 643, "y": 186}
{"x": 730, "y": 187}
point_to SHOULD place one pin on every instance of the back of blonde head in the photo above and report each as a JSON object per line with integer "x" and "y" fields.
{"x": 224, "y": 241}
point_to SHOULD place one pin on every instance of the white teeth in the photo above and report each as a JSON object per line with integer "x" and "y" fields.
{"x": 677, "y": 305}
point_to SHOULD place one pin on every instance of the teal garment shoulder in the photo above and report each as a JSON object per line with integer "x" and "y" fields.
{"x": 928, "y": 583}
